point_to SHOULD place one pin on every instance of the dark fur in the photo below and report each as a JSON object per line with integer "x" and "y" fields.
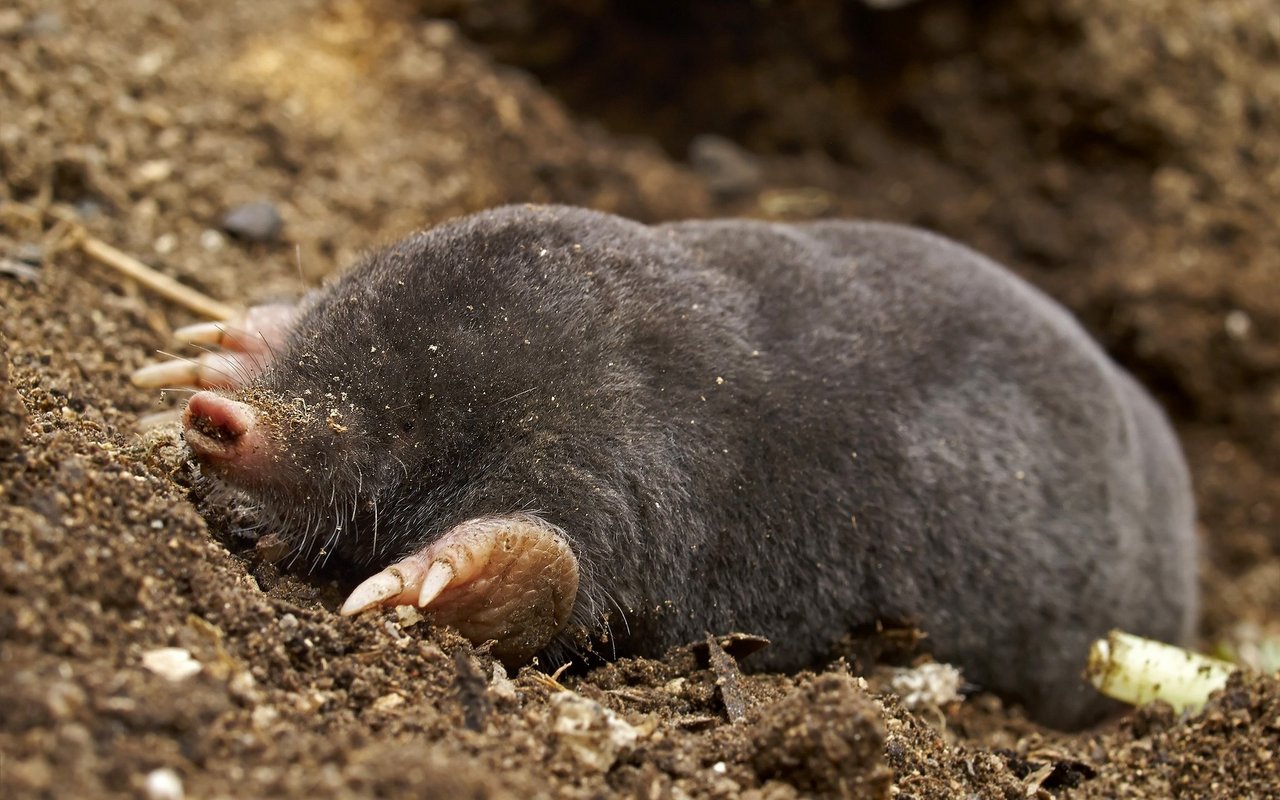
{"x": 904, "y": 432}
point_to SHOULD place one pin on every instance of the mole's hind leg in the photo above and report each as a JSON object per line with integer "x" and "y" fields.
{"x": 511, "y": 579}
{"x": 246, "y": 345}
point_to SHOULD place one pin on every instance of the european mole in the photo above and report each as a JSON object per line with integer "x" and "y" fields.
{"x": 556, "y": 428}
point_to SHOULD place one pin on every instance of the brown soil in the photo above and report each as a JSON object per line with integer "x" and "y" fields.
{"x": 1122, "y": 155}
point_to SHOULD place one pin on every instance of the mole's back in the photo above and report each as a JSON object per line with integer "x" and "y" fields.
{"x": 974, "y": 462}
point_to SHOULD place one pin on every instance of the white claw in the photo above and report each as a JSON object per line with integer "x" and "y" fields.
{"x": 166, "y": 373}
{"x": 438, "y": 577}
{"x": 374, "y": 591}
{"x": 201, "y": 333}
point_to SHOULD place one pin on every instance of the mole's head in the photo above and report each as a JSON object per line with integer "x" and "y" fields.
{"x": 405, "y": 387}
{"x": 335, "y": 442}
{"x": 314, "y": 472}
{"x": 397, "y": 389}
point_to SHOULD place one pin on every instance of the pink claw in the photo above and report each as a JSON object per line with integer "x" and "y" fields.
{"x": 248, "y": 343}
{"x": 510, "y": 579}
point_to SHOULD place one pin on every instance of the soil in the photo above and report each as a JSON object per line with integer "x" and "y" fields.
{"x": 1122, "y": 155}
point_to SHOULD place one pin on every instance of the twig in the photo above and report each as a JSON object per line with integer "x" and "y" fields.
{"x": 547, "y": 682}
{"x": 157, "y": 282}
{"x": 728, "y": 680}
{"x": 471, "y": 688}
{"x": 67, "y": 226}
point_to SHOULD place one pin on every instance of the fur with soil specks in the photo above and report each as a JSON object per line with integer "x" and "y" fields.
{"x": 793, "y": 430}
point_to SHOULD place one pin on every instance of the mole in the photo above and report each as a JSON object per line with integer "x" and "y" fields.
{"x": 564, "y": 432}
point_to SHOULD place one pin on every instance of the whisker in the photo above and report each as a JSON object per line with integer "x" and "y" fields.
{"x": 198, "y": 364}
{"x": 242, "y": 374}
{"x": 517, "y": 394}
{"x": 266, "y": 342}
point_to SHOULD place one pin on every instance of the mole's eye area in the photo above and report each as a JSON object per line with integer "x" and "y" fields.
{"x": 407, "y": 426}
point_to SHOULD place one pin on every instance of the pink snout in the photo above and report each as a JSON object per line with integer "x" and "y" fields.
{"x": 225, "y": 433}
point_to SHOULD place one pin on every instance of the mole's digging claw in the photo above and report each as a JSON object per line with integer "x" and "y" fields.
{"x": 202, "y": 333}
{"x": 248, "y": 344}
{"x": 509, "y": 579}
{"x": 209, "y": 371}
{"x": 375, "y": 591}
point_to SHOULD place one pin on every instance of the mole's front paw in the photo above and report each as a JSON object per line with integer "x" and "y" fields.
{"x": 511, "y": 579}
{"x": 247, "y": 344}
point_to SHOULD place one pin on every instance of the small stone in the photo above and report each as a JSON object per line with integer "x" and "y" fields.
{"x": 171, "y": 663}
{"x": 163, "y": 784}
{"x": 65, "y": 699}
{"x": 408, "y": 616}
{"x": 150, "y": 63}
{"x": 1237, "y": 324}
{"x": 154, "y": 171}
{"x": 264, "y": 717}
{"x": 165, "y": 244}
{"x": 254, "y": 222}
{"x": 593, "y": 735}
{"x": 501, "y": 686}
{"x": 211, "y": 240}
{"x": 927, "y": 685}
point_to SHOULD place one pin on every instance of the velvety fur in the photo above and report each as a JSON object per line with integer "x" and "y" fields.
{"x": 792, "y": 430}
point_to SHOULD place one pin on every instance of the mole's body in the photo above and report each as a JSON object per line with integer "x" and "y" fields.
{"x": 792, "y": 430}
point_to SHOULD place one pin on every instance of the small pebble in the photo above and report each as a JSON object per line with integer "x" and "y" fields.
{"x": 154, "y": 171}
{"x": 171, "y": 663}
{"x": 408, "y": 616}
{"x": 927, "y": 685}
{"x": 593, "y": 735}
{"x": 211, "y": 240}
{"x": 1238, "y": 324}
{"x": 254, "y": 222}
{"x": 164, "y": 784}
{"x": 165, "y": 244}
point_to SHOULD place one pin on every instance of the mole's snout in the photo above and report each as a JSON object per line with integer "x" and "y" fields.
{"x": 223, "y": 431}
